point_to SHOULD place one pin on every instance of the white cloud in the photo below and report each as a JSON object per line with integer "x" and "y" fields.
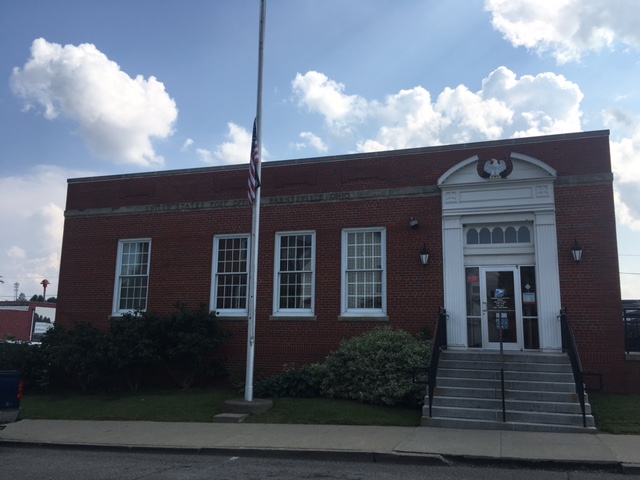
{"x": 16, "y": 252}
{"x": 322, "y": 95}
{"x": 235, "y": 150}
{"x": 505, "y": 107}
{"x": 186, "y": 145}
{"x": 32, "y": 203}
{"x": 626, "y": 168}
{"x": 567, "y": 28}
{"x": 311, "y": 140}
{"x": 118, "y": 115}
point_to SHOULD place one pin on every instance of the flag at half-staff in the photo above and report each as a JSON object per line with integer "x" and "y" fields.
{"x": 254, "y": 181}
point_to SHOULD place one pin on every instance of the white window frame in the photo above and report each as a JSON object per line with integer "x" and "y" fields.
{"x": 364, "y": 312}
{"x": 277, "y": 277}
{"x": 117, "y": 289}
{"x": 229, "y": 312}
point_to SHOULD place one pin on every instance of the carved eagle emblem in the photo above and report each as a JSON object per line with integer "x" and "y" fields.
{"x": 495, "y": 167}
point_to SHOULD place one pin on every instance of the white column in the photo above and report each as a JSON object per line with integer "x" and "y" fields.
{"x": 547, "y": 271}
{"x": 454, "y": 282}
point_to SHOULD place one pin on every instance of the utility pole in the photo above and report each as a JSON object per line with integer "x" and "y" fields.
{"x": 16, "y": 287}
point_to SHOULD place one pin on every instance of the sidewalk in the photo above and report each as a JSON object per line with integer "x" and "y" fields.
{"x": 439, "y": 446}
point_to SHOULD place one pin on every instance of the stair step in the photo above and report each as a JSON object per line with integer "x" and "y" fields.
{"x": 540, "y": 393}
{"x": 538, "y": 386}
{"x": 566, "y": 377}
{"x": 493, "y": 425}
{"x": 495, "y": 414}
{"x": 509, "y": 357}
{"x": 511, "y": 405}
{"x": 510, "y": 395}
{"x": 509, "y": 367}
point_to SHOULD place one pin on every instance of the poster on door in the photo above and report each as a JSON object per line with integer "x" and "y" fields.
{"x": 502, "y": 321}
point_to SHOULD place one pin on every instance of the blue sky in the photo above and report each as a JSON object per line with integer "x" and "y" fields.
{"x": 108, "y": 87}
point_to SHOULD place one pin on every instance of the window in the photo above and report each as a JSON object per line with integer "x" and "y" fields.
{"x": 474, "y": 315}
{"x": 132, "y": 275}
{"x": 364, "y": 272}
{"x": 294, "y": 273}
{"x": 230, "y": 270}
{"x": 498, "y": 235}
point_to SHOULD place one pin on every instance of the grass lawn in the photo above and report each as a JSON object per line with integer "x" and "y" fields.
{"x": 336, "y": 412}
{"x": 194, "y": 405}
{"x": 201, "y": 405}
{"x": 618, "y": 414}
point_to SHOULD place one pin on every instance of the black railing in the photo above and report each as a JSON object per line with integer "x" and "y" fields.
{"x": 569, "y": 346}
{"x": 439, "y": 343}
{"x": 631, "y": 321}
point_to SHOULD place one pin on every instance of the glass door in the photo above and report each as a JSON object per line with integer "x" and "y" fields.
{"x": 501, "y": 307}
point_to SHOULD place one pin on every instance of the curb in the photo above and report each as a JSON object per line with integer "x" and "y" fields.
{"x": 533, "y": 464}
{"x": 631, "y": 468}
{"x": 348, "y": 456}
{"x": 327, "y": 455}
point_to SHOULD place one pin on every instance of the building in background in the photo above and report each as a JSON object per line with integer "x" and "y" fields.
{"x": 26, "y": 321}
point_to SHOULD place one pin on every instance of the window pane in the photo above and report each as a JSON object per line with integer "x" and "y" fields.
{"x": 497, "y": 235}
{"x": 529, "y": 307}
{"x": 364, "y": 270}
{"x": 133, "y": 276}
{"x": 472, "y": 236}
{"x": 232, "y": 273}
{"x": 474, "y": 336}
{"x": 524, "y": 235}
{"x": 485, "y": 236}
{"x": 295, "y": 275}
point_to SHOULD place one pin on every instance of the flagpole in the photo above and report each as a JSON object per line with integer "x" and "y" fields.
{"x": 255, "y": 224}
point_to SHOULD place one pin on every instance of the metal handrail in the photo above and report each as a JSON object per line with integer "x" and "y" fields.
{"x": 569, "y": 346}
{"x": 439, "y": 343}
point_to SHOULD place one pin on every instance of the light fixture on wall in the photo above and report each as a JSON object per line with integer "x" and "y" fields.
{"x": 424, "y": 255}
{"x": 413, "y": 223}
{"x": 576, "y": 251}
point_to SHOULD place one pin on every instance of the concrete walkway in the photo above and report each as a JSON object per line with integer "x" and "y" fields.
{"x": 365, "y": 443}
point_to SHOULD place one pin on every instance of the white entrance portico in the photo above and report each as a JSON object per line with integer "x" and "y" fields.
{"x": 500, "y": 254}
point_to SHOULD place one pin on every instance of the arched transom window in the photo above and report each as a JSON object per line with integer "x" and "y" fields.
{"x": 498, "y": 235}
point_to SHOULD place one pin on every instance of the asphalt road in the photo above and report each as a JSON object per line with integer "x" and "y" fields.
{"x": 70, "y": 464}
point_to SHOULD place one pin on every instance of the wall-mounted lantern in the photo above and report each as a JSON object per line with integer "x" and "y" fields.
{"x": 424, "y": 255}
{"x": 576, "y": 251}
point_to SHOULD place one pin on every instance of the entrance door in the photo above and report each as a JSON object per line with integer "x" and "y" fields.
{"x": 501, "y": 307}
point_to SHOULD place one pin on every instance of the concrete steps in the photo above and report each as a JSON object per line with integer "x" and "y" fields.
{"x": 540, "y": 393}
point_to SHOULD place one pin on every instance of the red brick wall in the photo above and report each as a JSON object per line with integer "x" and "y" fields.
{"x": 591, "y": 289}
{"x": 16, "y": 318}
{"x": 182, "y": 243}
{"x": 181, "y": 253}
{"x": 16, "y": 324}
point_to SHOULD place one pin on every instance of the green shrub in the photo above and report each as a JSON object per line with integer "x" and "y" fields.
{"x": 132, "y": 348}
{"x": 30, "y": 360}
{"x": 79, "y": 354}
{"x": 293, "y": 382}
{"x": 182, "y": 342}
{"x": 376, "y": 368}
{"x": 186, "y": 340}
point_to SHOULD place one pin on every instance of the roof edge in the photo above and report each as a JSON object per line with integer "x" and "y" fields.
{"x": 352, "y": 156}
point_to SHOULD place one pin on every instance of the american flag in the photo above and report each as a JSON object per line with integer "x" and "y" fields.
{"x": 253, "y": 182}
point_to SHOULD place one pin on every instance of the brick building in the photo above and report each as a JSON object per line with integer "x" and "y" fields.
{"x": 340, "y": 244}
{"x": 20, "y": 321}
